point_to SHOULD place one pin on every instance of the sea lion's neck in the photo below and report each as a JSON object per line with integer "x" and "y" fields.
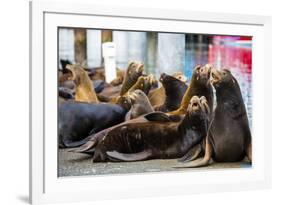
{"x": 84, "y": 90}
{"x": 145, "y": 105}
{"x": 225, "y": 94}
{"x": 174, "y": 94}
{"x": 195, "y": 88}
{"x": 230, "y": 103}
{"x": 195, "y": 122}
{"x": 129, "y": 81}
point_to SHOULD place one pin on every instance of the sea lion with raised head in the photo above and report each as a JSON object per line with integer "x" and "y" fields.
{"x": 133, "y": 72}
{"x": 229, "y": 136}
{"x": 174, "y": 91}
{"x": 157, "y": 96}
{"x": 84, "y": 91}
{"x": 140, "y": 105}
{"x": 77, "y": 120}
{"x": 199, "y": 85}
{"x": 156, "y": 139}
{"x": 144, "y": 83}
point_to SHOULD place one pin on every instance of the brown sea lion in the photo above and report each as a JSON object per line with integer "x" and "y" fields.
{"x": 140, "y": 105}
{"x": 144, "y": 83}
{"x": 133, "y": 72}
{"x": 88, "y": 145}
{"x": 200, "y": 86}
{"x": 229, "y": 136}
{"x": 120, "y": 77}
{"x": 77, "y": 120}
{"x": 156, "y": 139}
{"x": 157, "y": 96}
{"x": 174, "y": 91}
{"x": 84, "y": 91}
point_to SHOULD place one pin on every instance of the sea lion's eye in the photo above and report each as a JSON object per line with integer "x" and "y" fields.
{"x": 201, "y": 70}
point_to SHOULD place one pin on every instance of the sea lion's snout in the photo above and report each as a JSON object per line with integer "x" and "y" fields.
{"x": 204, "y": 104}
{"x": 195, "y": 104}
{"x": 162, "y": 77}
{"x": 215, "y": 76}
{"x": 140, "y": 67}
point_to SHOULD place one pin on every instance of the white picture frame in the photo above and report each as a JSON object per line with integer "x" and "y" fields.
{"x": 46, "y": 187}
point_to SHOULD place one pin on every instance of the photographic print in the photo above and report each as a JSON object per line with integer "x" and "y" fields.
{"x": 148, "y": 101}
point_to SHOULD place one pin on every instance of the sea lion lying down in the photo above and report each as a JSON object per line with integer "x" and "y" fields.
{"x": 158, "y": 138}
{"x": 229, "y": 135}
{"x": 78, "y": 120}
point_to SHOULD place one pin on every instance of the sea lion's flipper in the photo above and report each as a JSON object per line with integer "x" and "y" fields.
{"x": 157, "y": 116}
{"x": 88, "y": 147}
{"x": 203, "y": 161}
{"x": 114, "y": 155}
{"x": 93, "y": 131}
{"x": 192, "y": 154}
{"x": 249, "y": 151}
{"x": 71, "y": 144}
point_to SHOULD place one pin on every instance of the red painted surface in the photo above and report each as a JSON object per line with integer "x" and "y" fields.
{"x": 231, "y": 52}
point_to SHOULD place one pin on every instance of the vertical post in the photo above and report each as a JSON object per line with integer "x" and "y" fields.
{"x": 109, "y": 53}
{"x": 94, "y": 48}
{"x": 120, "y": 38}
{"x": 171, "y": 52}
{"x": 137, "y": 46}
{"x": 151, "y": 55}
{"x": 80, "y": 46}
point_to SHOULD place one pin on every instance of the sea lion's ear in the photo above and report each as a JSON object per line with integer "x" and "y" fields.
{"x": 157, "y": 116}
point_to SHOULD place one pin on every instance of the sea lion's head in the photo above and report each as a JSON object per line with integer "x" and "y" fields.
{"x": 205, "y": 105}
{"x": 78, "y": 73}
{"x": 166, "y": 79}
{"x": 222, "y": 78}
{"x": 143, "y": 83}
{"x": 180, "y": 76}
{"x": 198, "y": 106}
{"x": 124, "y": 101}
{"x": 201, "y": 74}
{"x": 135, "y": 69}
{"x": 153, "y": 81}
{"x": 171, "y": 84}
{"x": 137, "y": 96}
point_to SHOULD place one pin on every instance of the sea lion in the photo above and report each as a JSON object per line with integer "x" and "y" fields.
{"x": 63, "y": 63}
{"x": 88, "y": 145}
{"x": 140, "y": 105}
{"x": 153, "y": 139}
{"x": 200, "y": 86}
{"x": 229, "y": 136}
{"x": 84, "y": 88}
{"x": 66, "y": 93}
{"x": 77, "y": 120}
{"x": 144, "y": 83}
{"x": 133, "y": 72}
{"x": 174, "y": 91}
{"x": 99, "y": 85}
{"x": 120, "y": 77}
{"x": 157, "y": 96}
